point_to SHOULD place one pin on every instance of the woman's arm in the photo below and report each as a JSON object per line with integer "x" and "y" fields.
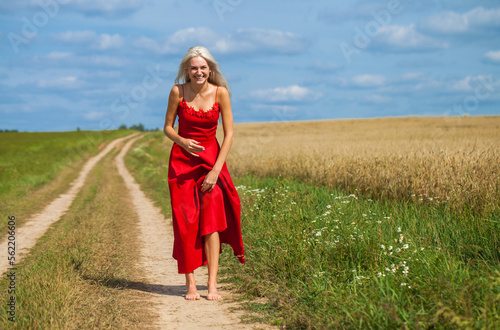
{"x": 189, "y": 145}
{"x": 227, "y": 123}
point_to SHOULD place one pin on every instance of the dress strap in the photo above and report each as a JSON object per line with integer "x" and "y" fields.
{"x": 216, "y": 94}
{"x": 182, "y": 91}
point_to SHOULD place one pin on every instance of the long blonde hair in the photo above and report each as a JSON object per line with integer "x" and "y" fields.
{"x": 215, "y": 77}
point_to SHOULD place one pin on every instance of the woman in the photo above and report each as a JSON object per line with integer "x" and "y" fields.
{"x": 205, "y": 203}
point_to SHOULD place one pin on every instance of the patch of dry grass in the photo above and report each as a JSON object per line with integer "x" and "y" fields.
{"x": 427, "y": 159}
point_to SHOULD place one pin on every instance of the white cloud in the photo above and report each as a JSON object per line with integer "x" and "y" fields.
{"x": 470, "y": 83}
{"x": 70, "y": 59}
{"x": 108, "y": 8}
{"x": 240, "y": 42}
{"x": 492, "y": 57}
{"x": 76, "y": 37}
{"x": 430, "y": 84}
{"x": 378, "y": 99}
{"x": 418, "y": 85}
{"x": 57, "y": 56}
{"x": 368, "y": 80}
{"x": 100, "y": 75}
{"x": 448, "y": 22}
{"x": 87, "y": 37}
{"x": 279, "y": 112}
{"x": 68, "y": 82}
{"x": 254, "y": 40}
{"x": 454, "y": 23}
{"x": 292, "y": 93}
{"x": 363, "y": 81}
{"x": 94, "y": 115}
{"x": 107, "y": 41}
{"x": 404, "y": 38}
{"x": 463, "y": 84}
{"x": 104, "y": 60}
{"x": 412, "y": 76}
{"x": 178, "y": 42}
{"x": 323, "y": 67}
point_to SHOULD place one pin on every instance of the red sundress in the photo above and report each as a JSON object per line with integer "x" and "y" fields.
{"x": 195, "y": 213}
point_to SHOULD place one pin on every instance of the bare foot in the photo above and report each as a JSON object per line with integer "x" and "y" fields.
{"x": 192, "y": 292}
{"x": 212, "y": 293}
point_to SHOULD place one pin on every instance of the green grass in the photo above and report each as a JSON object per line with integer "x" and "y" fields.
{"x": 31, "y": 161}
{"x": 324, "y": 258}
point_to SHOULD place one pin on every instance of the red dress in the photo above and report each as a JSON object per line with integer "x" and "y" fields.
{"x": 195, "y": 213}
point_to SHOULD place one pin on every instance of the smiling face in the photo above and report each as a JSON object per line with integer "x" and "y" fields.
{"x": 198, "y": 70}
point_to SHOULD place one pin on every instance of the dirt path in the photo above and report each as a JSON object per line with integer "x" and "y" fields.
{"x": 35, "y": 227}
{"x": 161, "y": 280}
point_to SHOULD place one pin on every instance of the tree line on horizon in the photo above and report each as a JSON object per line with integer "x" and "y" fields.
{"x": 138, "y": 127}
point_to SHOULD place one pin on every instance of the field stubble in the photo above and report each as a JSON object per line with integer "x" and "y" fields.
{"x": 454, "y": 160}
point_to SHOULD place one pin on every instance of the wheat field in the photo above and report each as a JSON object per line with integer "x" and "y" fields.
{"x": 442, "y": 159}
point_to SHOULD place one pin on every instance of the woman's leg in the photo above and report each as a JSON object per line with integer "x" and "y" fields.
{"x": 212, "y": 250}
{"x": 192, "y": 292}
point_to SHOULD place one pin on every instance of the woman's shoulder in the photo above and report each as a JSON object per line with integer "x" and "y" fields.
{"x": 176, "y": 91}
{"x": 222, "y": 91}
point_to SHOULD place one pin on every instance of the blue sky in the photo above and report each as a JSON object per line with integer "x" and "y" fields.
{"x": 99, "y": 64}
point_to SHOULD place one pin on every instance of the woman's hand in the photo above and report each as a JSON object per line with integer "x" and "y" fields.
{"x": 210, "y": 181}
{"x": 192, "y": 146}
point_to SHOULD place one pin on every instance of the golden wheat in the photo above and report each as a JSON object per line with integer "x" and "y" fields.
{"x": 430, "y": 159}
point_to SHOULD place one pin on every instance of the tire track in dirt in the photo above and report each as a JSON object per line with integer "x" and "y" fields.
{"x": 159, "y": 270}
{"x": 28, "y": 234}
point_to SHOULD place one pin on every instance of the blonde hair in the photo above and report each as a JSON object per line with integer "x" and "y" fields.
{"x": 215, "y": 77}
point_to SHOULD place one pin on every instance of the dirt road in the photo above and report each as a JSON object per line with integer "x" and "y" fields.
{"x": 166, "y": 286}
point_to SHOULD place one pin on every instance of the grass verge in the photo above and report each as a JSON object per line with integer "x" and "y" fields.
{"x": 75, "y": 275}
{"x": 324, "y": 259}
